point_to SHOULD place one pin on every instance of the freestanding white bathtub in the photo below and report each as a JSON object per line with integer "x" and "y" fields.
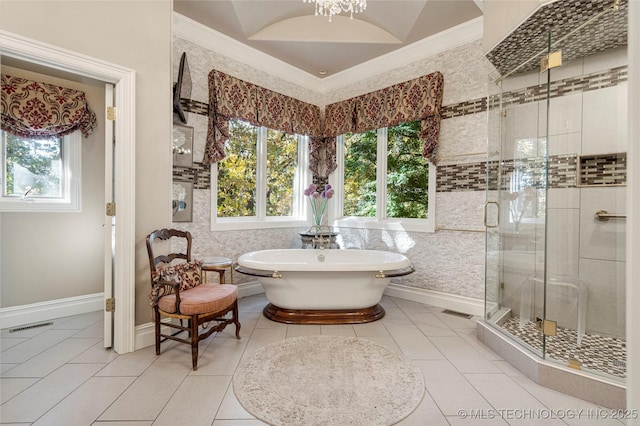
{"x": 324, "y": 286}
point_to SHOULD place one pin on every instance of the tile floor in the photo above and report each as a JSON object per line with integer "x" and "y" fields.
{"x": 61, "y": 375}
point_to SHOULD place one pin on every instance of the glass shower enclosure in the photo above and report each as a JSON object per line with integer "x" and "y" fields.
{"x": 555, "y": 203}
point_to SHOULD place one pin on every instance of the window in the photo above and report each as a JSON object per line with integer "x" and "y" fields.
{"x": 387, "y": 183}
{"x": 260, "y": 182}
{"x": 527, "y": 182}
{"x": 41, "y": 174}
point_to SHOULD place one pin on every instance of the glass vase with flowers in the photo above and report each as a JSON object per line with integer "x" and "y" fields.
{"x": 318, "y": 200}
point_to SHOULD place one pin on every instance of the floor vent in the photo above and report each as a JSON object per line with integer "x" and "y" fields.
{"x": 457, "y": 314}
{"x": 619, "y": 363}
{"x": 27, "y": 327}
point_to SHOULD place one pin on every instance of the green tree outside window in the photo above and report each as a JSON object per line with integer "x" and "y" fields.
{"x": 32, "y": 166}
{"x": 407, "y": 174}
{"x": 238, "y": 172}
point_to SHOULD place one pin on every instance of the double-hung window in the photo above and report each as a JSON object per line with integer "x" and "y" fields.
{"x": 41, "y": 174}
{"x": 259, "y": 183}
{"x": 387, "y": 183}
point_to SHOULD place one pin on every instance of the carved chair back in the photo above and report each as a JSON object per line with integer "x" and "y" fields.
{"x": 166, "y": 235}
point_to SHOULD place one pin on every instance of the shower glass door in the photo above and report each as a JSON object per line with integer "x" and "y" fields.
{"x": 515, "y": 209}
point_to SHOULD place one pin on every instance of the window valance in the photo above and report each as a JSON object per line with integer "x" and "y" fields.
{"x": 232, "y": 98}
{"x": 39, "y": 110}
{"x": 417, "y": 99}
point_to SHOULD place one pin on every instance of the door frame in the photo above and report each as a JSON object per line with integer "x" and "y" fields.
{"x": 26, "y": 49}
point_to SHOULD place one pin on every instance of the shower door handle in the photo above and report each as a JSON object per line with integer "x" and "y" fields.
{"x": 485, "y": 214}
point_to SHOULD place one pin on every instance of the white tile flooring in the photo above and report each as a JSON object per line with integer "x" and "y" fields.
{"x": 61, "y": 375}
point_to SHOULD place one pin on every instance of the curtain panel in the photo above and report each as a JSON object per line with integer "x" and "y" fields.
{"x": 417, "y": 99}
{"x": 232, "y": 98}
{"x": 30, "y": 109}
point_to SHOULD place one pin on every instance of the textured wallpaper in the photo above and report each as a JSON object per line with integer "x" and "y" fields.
{"x": 440, "y": 263}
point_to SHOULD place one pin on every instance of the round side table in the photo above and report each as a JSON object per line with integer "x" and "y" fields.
{"x": 218, "y": 264}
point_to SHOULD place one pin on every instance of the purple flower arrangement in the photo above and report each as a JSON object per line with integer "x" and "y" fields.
{"x": 318, "y": 201}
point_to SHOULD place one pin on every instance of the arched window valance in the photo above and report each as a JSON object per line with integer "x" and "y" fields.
{"x": 39, "y": 110}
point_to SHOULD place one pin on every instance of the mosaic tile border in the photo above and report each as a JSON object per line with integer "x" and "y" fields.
{"x": 560, "y": 18}
{"x": 462, "y": 177}
{"x": 568, "y": 86}
{"x": 199, "y": 175}
{"x": 460, "y": 109}
{"x": 473, "y": 176}
{"x": 585, "y": 83}
{"x": 598, "y": 353}
{"x": 195, "y": 107}
{"x": 603, "y": 170}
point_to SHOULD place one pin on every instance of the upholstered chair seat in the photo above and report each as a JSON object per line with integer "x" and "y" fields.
{"x": 201, "y": 299}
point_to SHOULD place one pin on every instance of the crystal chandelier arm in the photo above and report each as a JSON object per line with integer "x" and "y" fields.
{"x": 335, "y": 7}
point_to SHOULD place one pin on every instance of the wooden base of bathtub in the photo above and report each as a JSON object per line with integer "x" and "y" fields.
{"x": 338, "y": 316}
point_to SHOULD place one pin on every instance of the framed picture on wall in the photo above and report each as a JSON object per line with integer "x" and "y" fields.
{"x": 182, "y": 201}
{"x": 182, "y": 146}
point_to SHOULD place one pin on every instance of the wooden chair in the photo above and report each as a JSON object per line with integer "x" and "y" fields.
{"x": 178, "y": 293}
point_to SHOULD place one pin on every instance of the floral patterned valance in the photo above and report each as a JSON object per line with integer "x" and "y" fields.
{"x": 339, "y": 118}
{"x": 39, "y": 110}
{"x": 418, "y": 99}
{"x": 232, "y": 98}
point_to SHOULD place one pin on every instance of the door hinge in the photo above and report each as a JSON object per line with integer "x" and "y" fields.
{"x": 111, "y": 209}
{"x": 552, "y": 60}
{"x": 110, "y": 304}
{"x": 547, "y": 327}
{"x": 111, "y": 113}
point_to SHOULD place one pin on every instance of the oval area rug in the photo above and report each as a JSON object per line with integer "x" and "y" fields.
{"x": 328, "y": 380}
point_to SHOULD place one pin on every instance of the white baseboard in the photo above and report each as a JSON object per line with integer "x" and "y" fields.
{"x": 43, "y": 311}
{"x": 249, "y": 289}
{"x": 145, "y": 333}
{"x": 465, "y": 305}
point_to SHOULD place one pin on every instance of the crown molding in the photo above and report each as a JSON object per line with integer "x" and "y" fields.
{"x": 208, "y": 38}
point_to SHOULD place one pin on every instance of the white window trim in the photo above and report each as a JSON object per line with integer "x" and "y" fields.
{"x": 301, "y": 214}
{"x": 336, "y": 211}
{"x": 71, "y": 202}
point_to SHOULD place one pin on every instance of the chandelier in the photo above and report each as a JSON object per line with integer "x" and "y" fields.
{"x": 334, "y": 7}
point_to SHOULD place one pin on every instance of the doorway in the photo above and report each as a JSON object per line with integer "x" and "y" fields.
{"x": 48, "y": 56}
